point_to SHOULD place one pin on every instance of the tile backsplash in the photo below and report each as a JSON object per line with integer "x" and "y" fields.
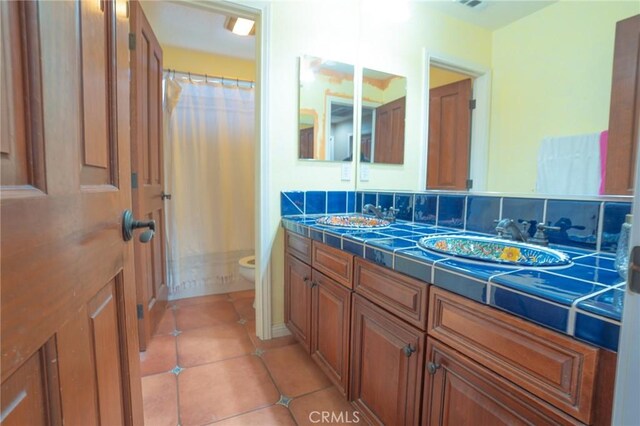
{"x": 589, "y": 224}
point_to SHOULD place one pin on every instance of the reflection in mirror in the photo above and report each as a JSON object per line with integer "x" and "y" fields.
{"x": 383, "y": 117}
{"x": 449, "y": 130}
{"x": 326, "y": 110}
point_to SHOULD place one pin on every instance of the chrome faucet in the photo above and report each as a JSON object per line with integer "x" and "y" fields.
{"x": 389, "y": 214}
{"x": 370, "y": 208}
{"x": 509, "y": 226}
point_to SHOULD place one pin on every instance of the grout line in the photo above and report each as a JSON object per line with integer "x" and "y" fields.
{"x": 600, "y": 227}
{"x": 544, "y": 211}
{"x": 464, "y": 213}
{"x": 294, "y": 204}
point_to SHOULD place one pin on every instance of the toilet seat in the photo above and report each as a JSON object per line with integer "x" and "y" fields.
{"x": 248, "y": 262}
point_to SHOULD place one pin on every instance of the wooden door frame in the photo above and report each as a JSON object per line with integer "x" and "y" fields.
{"x": 479, "y": 155}
{"x": 262, "y": 196}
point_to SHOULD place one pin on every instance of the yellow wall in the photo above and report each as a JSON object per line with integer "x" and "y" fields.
{"x": 440, "y": 77}
{"x": 551, "y": 77}
{"x": 206, "y": 63}
{"x": 374, "y": 40}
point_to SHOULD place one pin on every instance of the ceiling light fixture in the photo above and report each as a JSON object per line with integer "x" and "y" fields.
{"x": 240, "y": 26}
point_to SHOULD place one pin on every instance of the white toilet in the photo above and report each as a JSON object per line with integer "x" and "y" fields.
{"x": 248, "y": 270}
{"x": 248, "y": 267}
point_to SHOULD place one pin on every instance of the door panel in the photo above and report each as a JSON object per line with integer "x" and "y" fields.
{"x": 449, "y": 136}
{"x": 67, "y": 295}
{"x": 103, "y": 313}
{"x": 21, "y": 147}
{"x": 25, "y": 395}
{"x": 389, "y": 139}
{"x": 147, "y": 164}
{"x": 94, "y": 85}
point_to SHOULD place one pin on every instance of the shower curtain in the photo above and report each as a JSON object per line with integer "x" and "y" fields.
{"x": 209, "y": 148}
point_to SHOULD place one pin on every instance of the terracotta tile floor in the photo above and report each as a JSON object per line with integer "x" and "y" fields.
{"x": 206, "y": 366}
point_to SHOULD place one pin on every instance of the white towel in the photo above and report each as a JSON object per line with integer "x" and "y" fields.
{"x": 569, "y": 165}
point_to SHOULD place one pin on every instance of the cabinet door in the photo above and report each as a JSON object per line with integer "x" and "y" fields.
{"x": 297, "y": 299}
{"x": 460, "y": 392}
{"x": 330, "y": 328}
{"x": 387, "y": 362}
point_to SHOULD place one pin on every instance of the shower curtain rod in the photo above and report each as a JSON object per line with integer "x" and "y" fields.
{"x": 207, "y": 77}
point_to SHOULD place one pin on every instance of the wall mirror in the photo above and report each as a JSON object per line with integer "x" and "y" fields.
{"x": 548, "y": 118}
{"x": 326, "y": 105}
{"x": 382, "y": 117}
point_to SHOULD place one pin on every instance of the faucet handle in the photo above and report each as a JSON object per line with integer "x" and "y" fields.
{"x": 540, "y": 236}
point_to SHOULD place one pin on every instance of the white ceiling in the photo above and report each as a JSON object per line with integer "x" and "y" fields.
{"x": 194, "y": 28}
{"x": 491, "y": 14}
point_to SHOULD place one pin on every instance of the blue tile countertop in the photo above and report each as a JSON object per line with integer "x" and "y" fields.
{"x": 583, "y": 300}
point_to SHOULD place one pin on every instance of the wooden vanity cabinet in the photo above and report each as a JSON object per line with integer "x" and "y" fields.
{"x": 297, "y": 299}
{"x": 486, "y": 359}
{"x": 387, "y": 344}
{"x": 330, "y": 328}
{"x": 387, "y": 357}
{"x": 318, "y": 281}
{"x": 458, "y": 391}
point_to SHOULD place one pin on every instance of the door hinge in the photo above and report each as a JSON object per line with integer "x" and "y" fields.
{"x": 472, "y": 104}
{"x": 469, "y": 183}
{"x": 140, "y": 311}
{"x": 134, "y": 180}
{"x": 132, "y": 41}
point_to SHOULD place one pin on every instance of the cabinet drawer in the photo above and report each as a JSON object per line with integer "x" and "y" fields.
{"x": 334, "y": 263}
{"x": 397, "y": 293}
{"x": 553, "y": 367}
{"x": 298, "y": 246}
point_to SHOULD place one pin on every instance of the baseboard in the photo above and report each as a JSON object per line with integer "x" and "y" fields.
{"x": 279, "y": 330}
{"x": 206, "y": 289}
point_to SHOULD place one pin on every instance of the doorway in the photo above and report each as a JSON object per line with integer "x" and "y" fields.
{"x": 203, "y": 12}
{"x": 450, "y": 70}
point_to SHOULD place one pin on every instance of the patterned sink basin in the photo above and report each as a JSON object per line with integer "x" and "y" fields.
{"x": 494, "y": 250}
{"x": 353, "y": 221}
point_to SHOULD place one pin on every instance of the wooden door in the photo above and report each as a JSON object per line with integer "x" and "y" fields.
{"x": 306, "y": 142}
{"x": 387, "y": 358}
{"x": 68, "y": 337}
{"x": 449, "y": 136}
{"x": 389, "y": 140}
{"x": 297, "y": 299}
{"x": 624, "y": 121}
{"x": 330, "y": 328}
{"x": 147, "y": 172}
{"x": 460, "y": 392}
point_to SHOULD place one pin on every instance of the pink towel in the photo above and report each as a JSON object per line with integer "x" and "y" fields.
{"x": 604, "y": 136}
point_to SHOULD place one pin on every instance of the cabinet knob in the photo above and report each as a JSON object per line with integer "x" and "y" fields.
{"x": 432, "y": 367}
{"x": 408, "y": 350}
